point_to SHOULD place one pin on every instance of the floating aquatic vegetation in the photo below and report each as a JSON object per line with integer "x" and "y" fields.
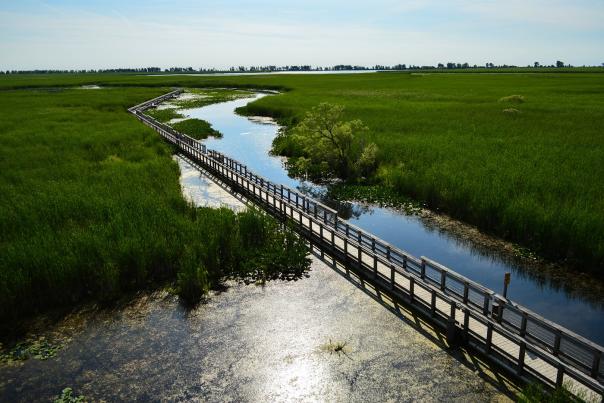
{"x": 40, "y": 349}
{"x": 67, "y": 396}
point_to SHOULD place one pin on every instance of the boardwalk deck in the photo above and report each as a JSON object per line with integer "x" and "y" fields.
{"x": 520, "y": 340}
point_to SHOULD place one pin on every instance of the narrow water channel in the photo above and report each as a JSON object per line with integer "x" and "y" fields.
{"x": 249, "y": 141}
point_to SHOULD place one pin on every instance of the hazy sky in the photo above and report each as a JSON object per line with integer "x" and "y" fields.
{"x": 213, "y": 33}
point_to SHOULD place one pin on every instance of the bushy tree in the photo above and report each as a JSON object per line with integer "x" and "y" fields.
{"x": 332, "y": 146}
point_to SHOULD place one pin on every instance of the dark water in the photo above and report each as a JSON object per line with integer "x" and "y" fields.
{"x": 249, "y": 141}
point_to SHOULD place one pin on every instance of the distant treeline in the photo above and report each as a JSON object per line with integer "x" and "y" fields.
{"x": 81, "y": 71}
{"x": 271, "y": 68}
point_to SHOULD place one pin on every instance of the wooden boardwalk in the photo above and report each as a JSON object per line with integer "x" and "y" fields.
{"x": 525, "y": 343}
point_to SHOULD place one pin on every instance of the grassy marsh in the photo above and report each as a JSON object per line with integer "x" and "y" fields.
{"x": 91, "y": 207}
{"x": 90, "y": 198}
{"x": 197, "y": 128}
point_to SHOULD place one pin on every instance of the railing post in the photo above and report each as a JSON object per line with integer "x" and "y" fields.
{"x": 557, "y": 339}
{"x": 452, "y": 331}
{"x": 500, "y": 306}
{"x": 521, "y": 358}
{"x": 433, "y": 303}
{"x": 595, "y": 366}
{"x": 465, "y": 292}
{"x": 375, "y": 269}
{"x": 423, "y": 269}
{"x": 489, "y": 338}
{"x": 485, "y": 305}
{"x": 560, "y": 375}
{"x": 443, "y": 279}
{"x": 392, "y": 272}
{"x": 523, "y": 324}
{"x": 466, "y": 324}
{"x": 411, "y": 289}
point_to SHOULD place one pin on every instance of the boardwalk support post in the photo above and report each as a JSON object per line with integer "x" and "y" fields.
{"x": 453, "y": 336}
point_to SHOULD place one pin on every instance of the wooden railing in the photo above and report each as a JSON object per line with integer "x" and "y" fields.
{"x": 503, "y": 330}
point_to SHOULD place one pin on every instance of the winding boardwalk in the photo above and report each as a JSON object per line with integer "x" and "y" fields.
{"x": 526, "y": 344}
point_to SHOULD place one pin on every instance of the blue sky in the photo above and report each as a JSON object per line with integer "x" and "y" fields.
{"x": 210, "y": 33}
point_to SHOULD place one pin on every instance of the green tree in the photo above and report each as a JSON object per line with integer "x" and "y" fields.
{"x": 332, "y": 146}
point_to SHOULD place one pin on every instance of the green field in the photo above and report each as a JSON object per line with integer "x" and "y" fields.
{"x": 88, "y": 192}
{"x": 91, "y": 207}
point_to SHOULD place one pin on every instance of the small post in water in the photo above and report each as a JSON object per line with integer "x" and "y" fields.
{"x": 506, "y": 282}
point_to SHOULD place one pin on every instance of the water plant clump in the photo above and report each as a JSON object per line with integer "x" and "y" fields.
{"x": 197, "y": 128}
{"x": 248, "y": 245}
{"x": 164, "y": 115}
{"x": 68, "y": 396}
{"x": 337, "y": 347}
{"x": 40, "y": 349}
{"x": 514, "y": 99}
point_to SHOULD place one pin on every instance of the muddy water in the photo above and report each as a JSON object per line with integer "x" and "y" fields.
{"x": 573, "y": 301}
{"x": 254, "y": 343}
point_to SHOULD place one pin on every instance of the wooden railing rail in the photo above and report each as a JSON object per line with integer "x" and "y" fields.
{"x": 496, "y": 326}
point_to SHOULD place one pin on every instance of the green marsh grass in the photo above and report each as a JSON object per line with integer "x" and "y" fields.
{"x": 164, "y": 115}
{"x": 535, "y": 178}
{"x": 91, "y": 206}
{"x": 197, "y": 128}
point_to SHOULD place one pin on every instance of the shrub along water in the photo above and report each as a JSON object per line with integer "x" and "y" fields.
{"x": 91, "y": 207}
{"x": 325, "y": 145}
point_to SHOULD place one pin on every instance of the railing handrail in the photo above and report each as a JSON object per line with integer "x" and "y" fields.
{"x": 339, "y": 223}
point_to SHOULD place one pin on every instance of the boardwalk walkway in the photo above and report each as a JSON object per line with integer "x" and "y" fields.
{"x": 525, "y": 343}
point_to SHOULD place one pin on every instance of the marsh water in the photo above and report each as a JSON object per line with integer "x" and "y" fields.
{"x": 254, "y": 343}
{"x": 326, "y": 337}
{"x": 556, "y": 296}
